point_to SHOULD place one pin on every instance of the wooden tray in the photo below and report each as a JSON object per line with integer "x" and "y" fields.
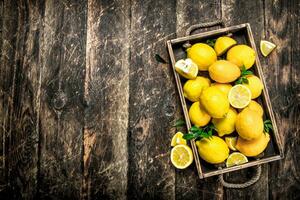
{"x": 243, "y": 34}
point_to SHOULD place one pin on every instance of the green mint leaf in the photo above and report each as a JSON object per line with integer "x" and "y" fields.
{"x": 194, "y": 129}
{"x": 211, "y": 42}
{"x": 268, "y": 126}
{"x": 179, "y": 123}
{"x": 239, "y": 81}
{"x": 189, "y": 136}
{"x": 160, "y": 59}
{"x": 245, "y": 80}
{"x": 267, "y": 121}
{"x": 244, "y": 68}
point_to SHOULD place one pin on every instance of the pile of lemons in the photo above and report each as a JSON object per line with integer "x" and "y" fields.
{"x": 221, "y": 91}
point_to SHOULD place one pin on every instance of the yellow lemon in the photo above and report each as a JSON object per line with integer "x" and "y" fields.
{"x": 186, "y": 68}
{"x": 223, "y": 44}
{"x": 198, "y": 115}
{"x": 226, "y": 125}
{"x": 202, "y": 54}
{"x": 213, "y": 150}
{"x": 224, "y": 87}
{"x": 236, "y": 158}
{"x": 253, "y": 105}
{"x": 231, "y": 142}
{"x": 178, "y": 139}
{"x": 192, "y": 88}
{"x": 223, "y": 71}
{"x": 214, "y": 102}
{"x": 255, "y": 86}
{"x": 241, "y": 55}
{"x": 249, "y": 124}
{"x": 254, "y": 147}
{"x": 181, "y": 156}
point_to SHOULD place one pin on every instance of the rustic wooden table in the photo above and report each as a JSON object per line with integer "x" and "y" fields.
{"x": 87, "y": 112}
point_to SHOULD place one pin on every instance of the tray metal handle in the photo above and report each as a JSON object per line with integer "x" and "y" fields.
{"x": 248, "y": 183}
{"x": 194, "y": 27}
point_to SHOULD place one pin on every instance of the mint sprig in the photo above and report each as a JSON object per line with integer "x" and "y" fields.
{"x": 211, "y": 42}
{"x": 243, "y": 79}
{"x": 199, "y": 133}
{"x": 268, "y": 126}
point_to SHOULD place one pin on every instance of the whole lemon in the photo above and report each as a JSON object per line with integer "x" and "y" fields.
{"x": 249, "y": 124}
{"x": 223, "y": 44}
{"x": 226, "y": 125}
{"x": 202, "y": 54}
{"x": 254, "y": 147}
{"x": 255, "y": 86}
{"x": 213, "y": 150}
{"x": 215, "y": 102}
{"x": 241, "y": 55}
{"x": 224, "y": 87}
{"x": 198, "y": 115}
{"x": 223, "y": 71}
{"x": 192, "y": 88}
{"x": 253, "y": 105}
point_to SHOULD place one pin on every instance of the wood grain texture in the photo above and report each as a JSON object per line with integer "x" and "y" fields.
{"x": 19, "y": 88}
{"x": 282, "y": 28}
{"x": 152, "y": 102}
{"x": 86, "y": 112}
{"x": 237, "y": 12}
{"x": 187, "y": 185}
{"x": 107, "y": 97}
{"x": 62, "y": 89}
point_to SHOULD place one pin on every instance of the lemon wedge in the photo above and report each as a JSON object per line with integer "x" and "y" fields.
{"x": 239, "y": 96}
{"x": 177, "y": 139}
{"x": 236, "y": 158}
{"x": 231, "y": 142}
{"x": 181, "y": 156}
{"x": 266, "y": 47}
{"x": 186, "y": 68}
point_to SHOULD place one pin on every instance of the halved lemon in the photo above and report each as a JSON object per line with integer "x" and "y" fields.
{"x": 181, "y": 156}
{"x": 239, "y": 96}
{"x": 186, "y": 68}
{"x": 177, "y": 139}
{"x": 223, "y": 44}
{"x": 231, "y": 142}
{"x": 236, "y": 158}
{"x": 266, "y": 47}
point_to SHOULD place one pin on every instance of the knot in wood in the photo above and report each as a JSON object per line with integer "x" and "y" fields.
{"x": 59, "y": 100}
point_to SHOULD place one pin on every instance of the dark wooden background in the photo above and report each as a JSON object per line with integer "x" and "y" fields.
{"x": 86, "y": 112}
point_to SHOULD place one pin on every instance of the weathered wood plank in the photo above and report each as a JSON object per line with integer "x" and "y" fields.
{"x": 152, "y": 103}
{"x": 282, "y": 27}
{"x": 188, "y": 184}
{"x": 237, "y": 12}
{"x": 8, "y": 45}
{"x": 19, "y": 95}
{"x": 62, "y": 99}
{"x": 107, "y": 97}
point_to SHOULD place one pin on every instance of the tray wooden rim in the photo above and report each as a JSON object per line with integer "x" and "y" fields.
{"x": 265, "y": 96}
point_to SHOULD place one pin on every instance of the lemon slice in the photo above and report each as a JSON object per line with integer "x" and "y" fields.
{"x": 266, "y": 47}
{"x": 223, "y": 44}
{"x": 181, "y": 156}
{"x": 177, "y": 139}
{"x": 231, "y": 142}
{"x": 239, "y": 96}
{"x": 236, "y": 159}
{"x": 186, "y": 68}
